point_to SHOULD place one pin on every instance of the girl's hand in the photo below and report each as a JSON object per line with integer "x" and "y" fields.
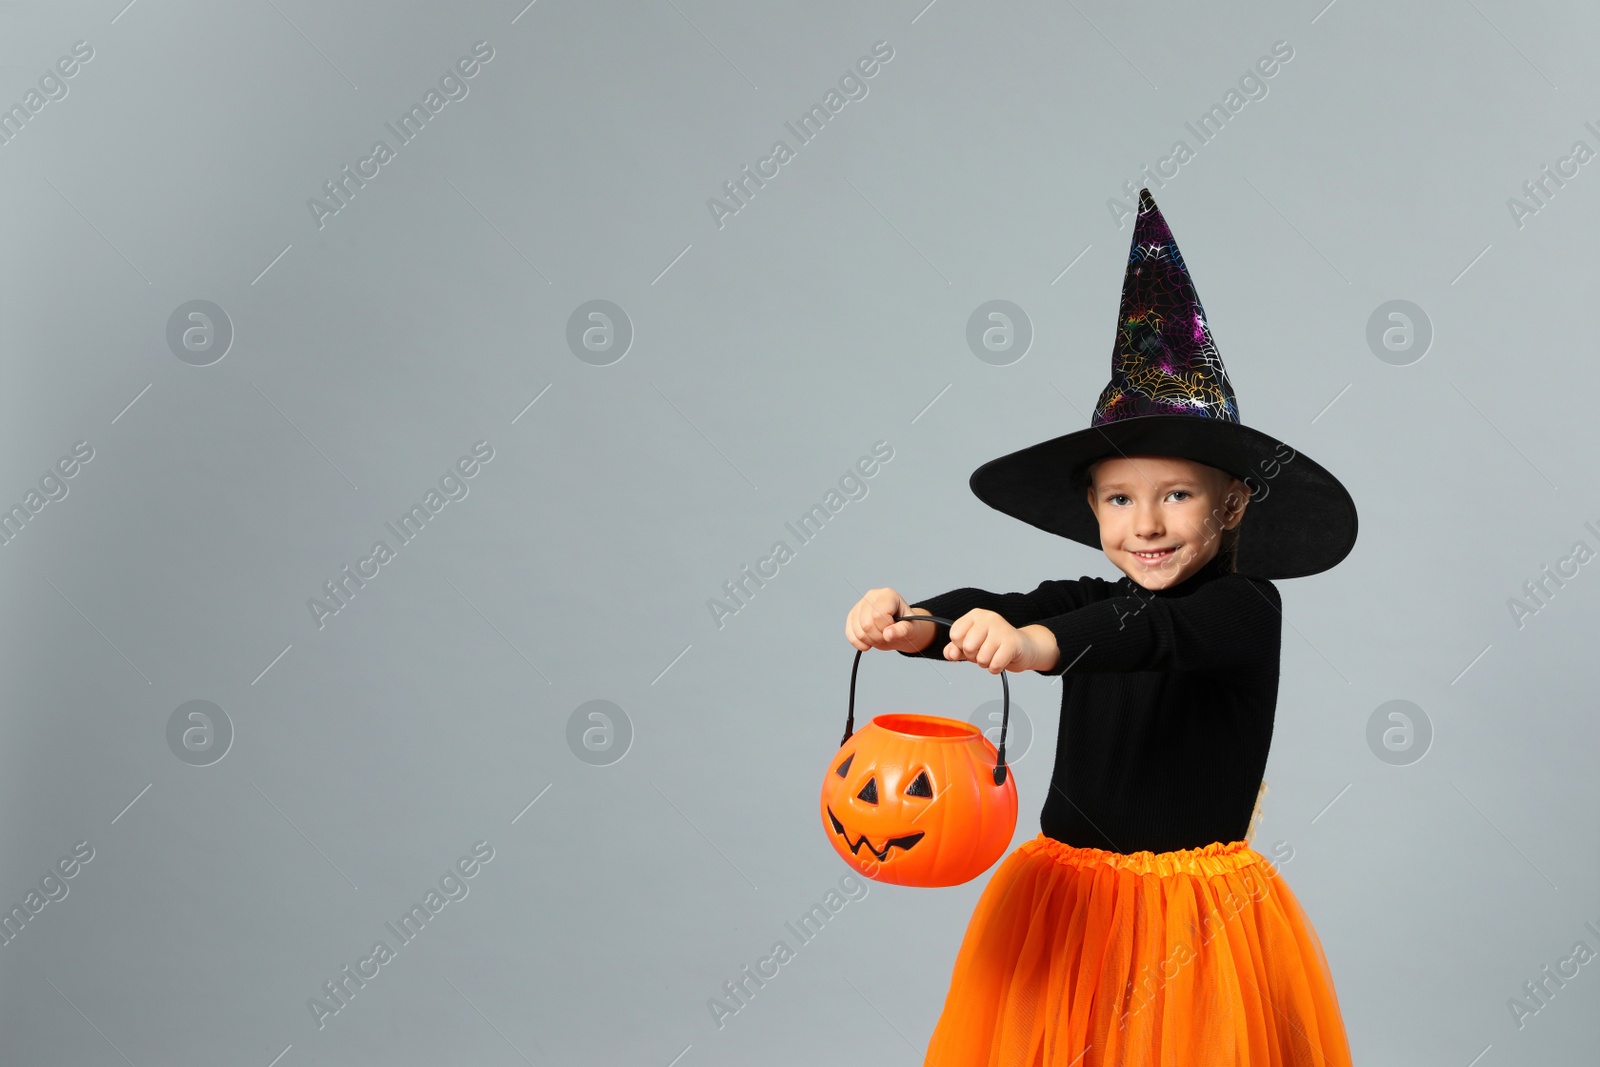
{"x": 870, "y": 624}
{"x": 984, "y": 637}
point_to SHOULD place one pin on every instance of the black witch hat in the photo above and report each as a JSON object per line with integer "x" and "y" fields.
{"x": 1169, "y": 395}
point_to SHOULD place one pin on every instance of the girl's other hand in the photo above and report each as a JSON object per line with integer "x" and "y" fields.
{"x": 870, "y": 624}
{"x": 984, "y": 637}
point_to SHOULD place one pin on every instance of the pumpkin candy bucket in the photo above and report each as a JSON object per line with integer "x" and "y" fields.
{"x": 919, "y": 800}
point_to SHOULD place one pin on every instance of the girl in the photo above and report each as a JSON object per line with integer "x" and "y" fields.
{"x": 1139, "y": 926}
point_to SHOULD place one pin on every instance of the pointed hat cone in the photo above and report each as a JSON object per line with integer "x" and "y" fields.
{"x": 1164, "y": 362}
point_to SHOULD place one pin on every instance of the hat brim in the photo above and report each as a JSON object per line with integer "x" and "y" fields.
{"x": 1301, "y": 520}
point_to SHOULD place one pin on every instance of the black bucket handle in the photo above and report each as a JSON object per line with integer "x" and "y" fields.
{"x": 1005, "y": 705}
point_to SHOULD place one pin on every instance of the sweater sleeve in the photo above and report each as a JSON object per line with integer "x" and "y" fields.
{"x": 1053, "y": 598}
{"x": 1232, "y": 621}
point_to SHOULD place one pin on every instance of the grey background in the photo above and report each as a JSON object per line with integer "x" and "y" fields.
{"x": 769, "y": 354}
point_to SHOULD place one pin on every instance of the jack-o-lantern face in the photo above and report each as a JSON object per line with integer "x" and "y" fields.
{"x": 911, "y": 800}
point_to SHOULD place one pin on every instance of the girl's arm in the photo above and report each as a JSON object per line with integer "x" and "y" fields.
{"x": 1050, "y": 599}
{"x": 1232, "y": 621}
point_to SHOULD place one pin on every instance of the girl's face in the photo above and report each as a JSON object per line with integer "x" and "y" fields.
{"x": 1161, "y": 518}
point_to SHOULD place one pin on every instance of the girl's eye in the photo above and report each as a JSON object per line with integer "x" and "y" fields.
{"x": 1179, "y": 492}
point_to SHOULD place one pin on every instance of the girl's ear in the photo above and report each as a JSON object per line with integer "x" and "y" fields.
{"x": 1235, "y": 497}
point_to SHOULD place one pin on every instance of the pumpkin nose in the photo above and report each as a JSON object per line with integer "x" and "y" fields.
{"x": 869, "y": 792}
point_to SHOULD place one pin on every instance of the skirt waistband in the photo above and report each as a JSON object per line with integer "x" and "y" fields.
{"x": 1219, "y": 857}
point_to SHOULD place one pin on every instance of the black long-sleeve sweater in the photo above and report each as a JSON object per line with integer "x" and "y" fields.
{"x": 1167, "y": 701}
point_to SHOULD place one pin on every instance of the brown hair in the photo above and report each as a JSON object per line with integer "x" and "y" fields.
{"x": 1227, "y": 550}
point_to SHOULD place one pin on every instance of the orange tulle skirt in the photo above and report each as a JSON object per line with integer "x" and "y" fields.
{"x": 1080, "y": 957}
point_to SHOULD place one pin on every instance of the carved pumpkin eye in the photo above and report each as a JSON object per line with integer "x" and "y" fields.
{"x": 869, "y": 792}
{"x": 920, "y": 787}
{"x": 844, "y": 768}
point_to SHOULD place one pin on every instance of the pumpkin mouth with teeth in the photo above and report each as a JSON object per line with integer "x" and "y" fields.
{"x": 904, "y": 843}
